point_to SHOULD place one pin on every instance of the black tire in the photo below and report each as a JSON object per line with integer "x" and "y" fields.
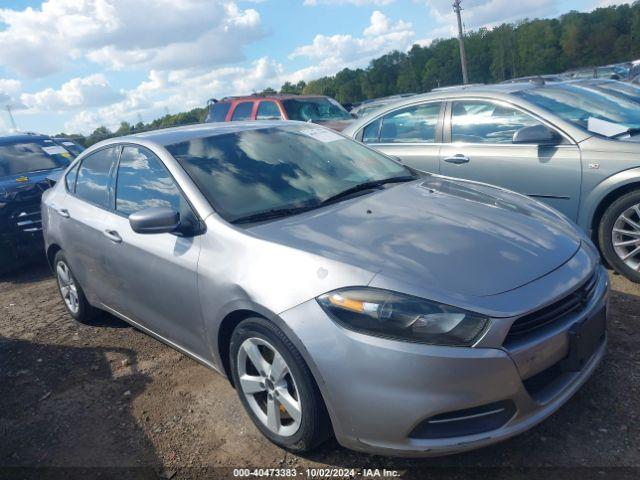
{"x": 315, "y": 426}
{"x": 605, "y": 232}
{"x": 85, "y": 312}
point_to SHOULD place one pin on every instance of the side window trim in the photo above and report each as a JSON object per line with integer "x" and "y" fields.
{"x": 75, "y": 167}
{"x": 447, "y": 124}
{"x": 439, "y": 129}
{"x": 112, "y": 179}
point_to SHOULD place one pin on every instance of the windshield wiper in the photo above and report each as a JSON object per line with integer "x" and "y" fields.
{"x": 363, "y": 187}
{"x": 274, "y": 213}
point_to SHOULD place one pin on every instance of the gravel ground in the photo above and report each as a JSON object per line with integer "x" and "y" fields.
{"x": 108, "y": 396}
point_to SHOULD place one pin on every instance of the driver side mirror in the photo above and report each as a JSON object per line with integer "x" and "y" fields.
{"x": 155, "y": 220}
{"x": 537, "y": 135}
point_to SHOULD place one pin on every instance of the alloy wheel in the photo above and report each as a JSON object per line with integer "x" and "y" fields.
{"x": 269, "y": 387}
{"x": 68, "y": 288}
{"x": 625, "y": 237}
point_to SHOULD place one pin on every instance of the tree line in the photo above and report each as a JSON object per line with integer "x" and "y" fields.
{"x": 530, "y": 47}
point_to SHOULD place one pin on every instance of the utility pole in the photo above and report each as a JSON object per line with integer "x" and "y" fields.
{"x": 13, "y": 122}
{"x": 463, "y": 56}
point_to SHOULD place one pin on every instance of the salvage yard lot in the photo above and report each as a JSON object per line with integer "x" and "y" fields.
{"x": 109, "y": 395}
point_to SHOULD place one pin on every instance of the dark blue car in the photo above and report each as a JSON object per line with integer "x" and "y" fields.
{"x": 26, "y": 162}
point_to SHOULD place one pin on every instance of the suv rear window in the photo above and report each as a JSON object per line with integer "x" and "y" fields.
{"x": 24, "y": 157}
{"x": 315, "y": 109}
{"x": 218, "y": 112}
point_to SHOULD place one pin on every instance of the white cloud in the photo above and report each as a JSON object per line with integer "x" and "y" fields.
{"x": 91, "y": 91}
{"x": 178, "y": 91}
{"x": 609, "y": 3}
{"x": 183, "y": 89}
{"x": 159, "y": 34}
{"x": 332, "y": 53}
{"x": 358, "y": 3}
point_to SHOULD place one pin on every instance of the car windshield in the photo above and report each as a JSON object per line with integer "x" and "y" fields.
{"x": 31, "y": 156}
{"x": 265, "y": 169}
{"x": 577, "y": 105}
{"x": 621, "y": 89}
{"x": 319, "y": 109}
{"x": 72, "y": 147}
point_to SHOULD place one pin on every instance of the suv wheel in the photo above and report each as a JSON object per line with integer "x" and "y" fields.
{"x": 276, "y": 387}
{"x": 619, "y": 235}
{"x": 72, "y": 295}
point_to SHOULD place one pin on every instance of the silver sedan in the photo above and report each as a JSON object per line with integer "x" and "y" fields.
{"x": 337, "y": 289}
{"x": 570, "y": 145}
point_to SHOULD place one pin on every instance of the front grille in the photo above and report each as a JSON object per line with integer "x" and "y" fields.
{"x": 574, "y": 302}
{"x": 27, "y": 220}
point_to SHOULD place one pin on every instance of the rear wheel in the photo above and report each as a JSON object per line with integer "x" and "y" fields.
{"x": 72, "y": 295}
{"x": 276, "y": 387}
{"x": 619, "y": 235}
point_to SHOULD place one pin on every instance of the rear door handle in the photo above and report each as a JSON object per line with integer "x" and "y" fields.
{"x": 63, "y": 212}
{"x": 113, "y": 236}
{"x": 458, "y": 159}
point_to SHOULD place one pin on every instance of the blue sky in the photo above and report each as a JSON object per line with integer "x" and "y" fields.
{"x": 73, "y": 65}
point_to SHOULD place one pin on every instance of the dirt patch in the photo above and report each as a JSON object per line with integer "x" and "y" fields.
{"x": 110, "y": 396}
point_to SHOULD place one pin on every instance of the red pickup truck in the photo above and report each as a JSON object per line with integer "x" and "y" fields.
{"x": 306, "y": 108}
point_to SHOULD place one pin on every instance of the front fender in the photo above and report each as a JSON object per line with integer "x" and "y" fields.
{"x": 592, "y": 200}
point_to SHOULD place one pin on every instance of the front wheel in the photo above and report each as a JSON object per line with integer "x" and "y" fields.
{"x": 276, "y": 387}
{"x": 619, "y": 235}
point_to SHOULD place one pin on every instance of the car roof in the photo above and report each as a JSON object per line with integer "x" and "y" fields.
{"x": 275, "y": 96}
{"x": 6, "y": 139}
{"x": 170, "y": 136}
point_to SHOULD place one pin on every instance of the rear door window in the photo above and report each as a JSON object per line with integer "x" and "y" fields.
{"x": 242, "y": 111}
{"x": 93, "y": 182}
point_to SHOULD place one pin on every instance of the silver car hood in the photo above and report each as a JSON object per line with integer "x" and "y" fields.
{"x": 455, "y": 236}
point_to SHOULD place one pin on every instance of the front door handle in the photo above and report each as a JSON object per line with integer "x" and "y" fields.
{"x": 458, "y": 159}
{"x": 113, "y": 236}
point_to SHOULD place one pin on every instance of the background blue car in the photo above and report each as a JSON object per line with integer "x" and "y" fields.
{"x": 26, "y": 162}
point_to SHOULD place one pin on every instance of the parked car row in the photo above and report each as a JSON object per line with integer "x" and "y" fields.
{"x": 427, "y": 256}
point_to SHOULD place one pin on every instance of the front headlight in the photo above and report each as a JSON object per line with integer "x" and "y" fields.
{"x": 394, "y": 315}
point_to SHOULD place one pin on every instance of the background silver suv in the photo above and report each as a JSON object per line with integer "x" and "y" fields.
{"x": 566, "y": 144}
{"x": 334, "y": 286}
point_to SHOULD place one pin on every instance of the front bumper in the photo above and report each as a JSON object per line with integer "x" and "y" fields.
{"x": 378, "y": 390}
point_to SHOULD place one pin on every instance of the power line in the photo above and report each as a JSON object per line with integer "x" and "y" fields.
{"x": 463, "y": 56}
{"x": 13, "y": 122}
